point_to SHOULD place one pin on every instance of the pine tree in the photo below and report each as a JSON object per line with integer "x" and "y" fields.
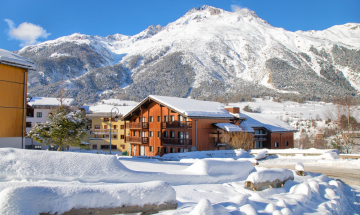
{"x": 62, "y": 128}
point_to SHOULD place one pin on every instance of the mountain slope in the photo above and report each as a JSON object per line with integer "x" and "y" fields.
{"x": 208, "y": 52}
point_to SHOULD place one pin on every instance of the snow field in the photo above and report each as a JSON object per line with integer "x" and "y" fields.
{"x": 56, "y": 198}
{"x": 237, "y": 153}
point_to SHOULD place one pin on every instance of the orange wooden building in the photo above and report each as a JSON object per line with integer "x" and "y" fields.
{"x": 13, "y": 86}
{"x": 160, "y": 125}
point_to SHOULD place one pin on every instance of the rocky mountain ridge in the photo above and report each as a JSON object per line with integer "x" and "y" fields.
{"x": 207, "y": 53}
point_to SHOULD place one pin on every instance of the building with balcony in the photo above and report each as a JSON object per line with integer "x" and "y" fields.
{"x": 101, "y": 130}
{"x": 161, "y": 124}
{"x": 268, "y": 132}
{"x": 13, "y": 86}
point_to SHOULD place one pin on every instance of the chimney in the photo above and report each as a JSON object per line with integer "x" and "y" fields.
{"x": 233, "y": 109}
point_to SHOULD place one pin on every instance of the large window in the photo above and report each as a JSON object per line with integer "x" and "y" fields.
{"x": 172, "y": 118}
{"x": 38, "y": 114}
{"x": 159, "y": 118}
{"x": 97, "y": 126}
{"x": 150, "y": 119}
{"x": 276, "y": 145}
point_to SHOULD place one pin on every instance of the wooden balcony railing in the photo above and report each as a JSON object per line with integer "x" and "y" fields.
{"x": 142, "y": 140}
{"x": 103, "y": 131}
{"x": 177, "y": 124}
{"x": 137, "y": 125}
{"x": 176, "y": 141}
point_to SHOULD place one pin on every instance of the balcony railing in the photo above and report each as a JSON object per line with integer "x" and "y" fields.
{"x": 176, "y": 141}
{"x": 177, "y": 124}
{"x": 142, "y": 140}
{"x": 137, "y": 125}
{"x": 103, "y": 131}
{"x": 259, "y": 138}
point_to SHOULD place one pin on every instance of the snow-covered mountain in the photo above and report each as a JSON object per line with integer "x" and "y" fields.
{"x": 208, "y": 52}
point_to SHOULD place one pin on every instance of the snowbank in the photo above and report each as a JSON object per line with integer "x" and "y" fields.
{"x": 330, "y": 155}
{"x": 32, "y": 200}
{"x": 261, "y": 155}
{"x": 237, "y": 153}
{"x": 299, "y": 167}
{"x": 215, "y": 167}
{"x": 270, "y": 175}
{"x": 204, "y": 207}
{"x": 19, "y": 164}
{"x": 294, "y": 151}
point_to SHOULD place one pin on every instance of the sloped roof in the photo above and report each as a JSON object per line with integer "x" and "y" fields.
{"x": 228, "y": 127}
{"x": 256, "y": 120}
{"x": 48, "y": 102}
{"x": 105, "y": 110}
{"x": 188, "y": 107}
{"x": 12, "y": 59}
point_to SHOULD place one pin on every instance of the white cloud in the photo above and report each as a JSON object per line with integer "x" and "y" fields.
{"x": 235, "y": 8}
{"x": 26, "y": 32}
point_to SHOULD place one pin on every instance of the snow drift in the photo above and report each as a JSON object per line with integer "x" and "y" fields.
{"x": 32, "y": 200}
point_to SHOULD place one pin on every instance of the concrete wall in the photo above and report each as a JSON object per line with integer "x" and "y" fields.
{"x": 10, "y": 142}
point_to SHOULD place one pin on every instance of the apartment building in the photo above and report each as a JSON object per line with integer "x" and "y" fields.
{"x": 102, "y": 126}
{"x": 13, "y": 86}
{"x": 161, "y": 124}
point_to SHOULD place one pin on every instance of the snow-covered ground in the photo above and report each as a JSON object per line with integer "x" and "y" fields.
{"x": 202, "y": 186}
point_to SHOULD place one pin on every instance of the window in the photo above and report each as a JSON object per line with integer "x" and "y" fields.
{"x": 122, "y": 146}
{"x": 181, "y": 135}
{"x": 94, "y": 146}
{"x": 114, "y": 147}
{"x": 38, "y": 114}
{"x": 151, "y": 148}
{"x": 276, "y": 145}
{"x": 286, "y": 143}
{"x": 28, "y": 124}
{"x": 134, "y": 133}
{"x": 172, "y": 134}
{"x": 105, "y": 147}
{"x": 139, "y": 119}
{"x": 115, "y": 126}
{"x": 165, "y": 134}
{"x": 106, "y": 119}
{"x": 97, "y": 126}
{"x": 159, "y": 150}
{"x": 159, "y": 133}
{"x": 165, "y": 149}
{"x": 122, "y": 137}
{"x": 159, "y": 118}
{"x": 180, "y": 150}
{"x": 172, "y": 118}
{"x": 105, "y": 127}
{"x": 180, "y": 118}
{"x": 144, "y": 119}
{"x": 122, "y": 126}
{"x": 139, "y": 133}
{"x": 165, "y": 118}
{"x": 106, "y": 136}
{"x": 113, "y": 119}
{"x": 114, "y": 136}
{"x": 150, "y": 134}
{"x": 172, "y": 150}
{"x": 150, "y": 119}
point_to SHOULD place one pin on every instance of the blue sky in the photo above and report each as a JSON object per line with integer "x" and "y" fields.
{"x": 50, "y": 19}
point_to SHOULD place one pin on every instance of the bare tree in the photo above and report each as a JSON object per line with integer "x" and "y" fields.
{"x": 237, "y": 140}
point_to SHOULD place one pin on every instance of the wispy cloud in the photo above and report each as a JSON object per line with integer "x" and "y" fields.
{"x": 26, "y": 32}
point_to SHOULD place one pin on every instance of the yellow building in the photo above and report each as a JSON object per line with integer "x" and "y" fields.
{"x": 13, "y": 86}
{"x": 99, "y": 126}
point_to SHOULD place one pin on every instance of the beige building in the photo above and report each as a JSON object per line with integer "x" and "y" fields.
{"x": 100, "y": 128}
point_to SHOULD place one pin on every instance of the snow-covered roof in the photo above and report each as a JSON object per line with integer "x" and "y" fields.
{"x": 193, "y": 108}
{"x": 48, "y": 102}
{"x": 246, "y": 128}
{"x": 12, "y": 59}
{"x": 105, "y": 110}
{"x": 228, "y": 127}
{"x": 255, "y": 120}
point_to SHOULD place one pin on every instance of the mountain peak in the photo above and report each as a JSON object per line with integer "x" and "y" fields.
{"x": 211, "y": 9}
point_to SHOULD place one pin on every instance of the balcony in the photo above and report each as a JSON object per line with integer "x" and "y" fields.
{"x": 103, "y": 131}
{"x": 141, "y": 140}
{"x": 137, "y": 125}
{"x": 176, "y": 141}
{"x": 177, "y": 124}
{"x": 259, "y": 138}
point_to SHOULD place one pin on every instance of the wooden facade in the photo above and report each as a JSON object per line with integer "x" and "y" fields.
{"x": 13, "y": 85}
{"x": 156, "y": 129}
{"x": 269, "y": 140}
